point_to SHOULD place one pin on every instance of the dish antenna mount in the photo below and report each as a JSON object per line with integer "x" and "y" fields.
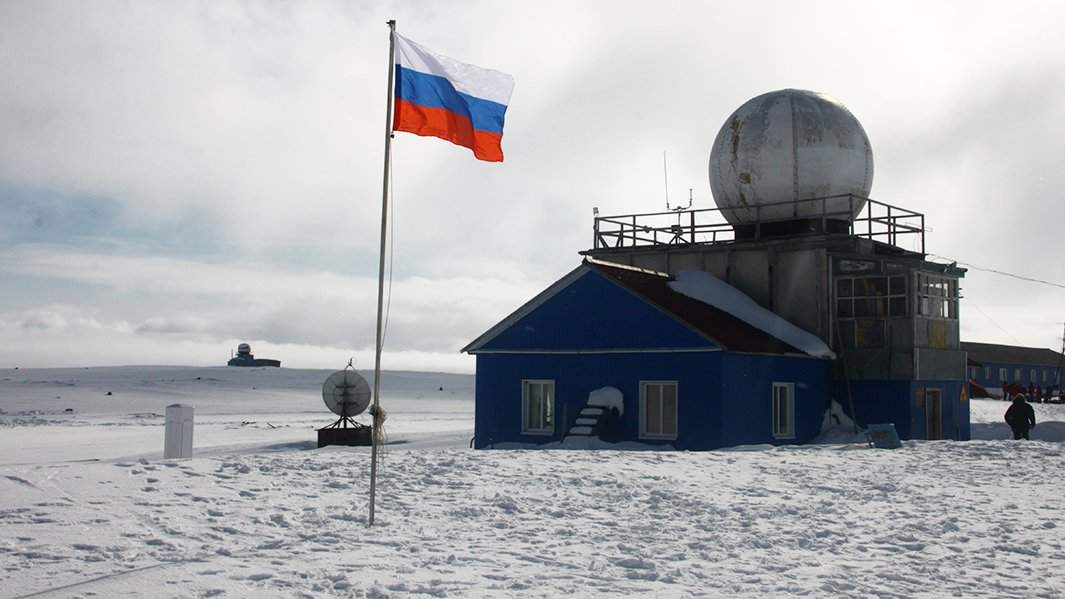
{"x": 347, "y": 394}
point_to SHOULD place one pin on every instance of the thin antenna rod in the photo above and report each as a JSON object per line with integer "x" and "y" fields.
{"x": 665, "y": 176}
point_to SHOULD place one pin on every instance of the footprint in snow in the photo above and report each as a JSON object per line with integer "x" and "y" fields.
{"x": 260, "y": 576}
{"x": 20, "y": 480}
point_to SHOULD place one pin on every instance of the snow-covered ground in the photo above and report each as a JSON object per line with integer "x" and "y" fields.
{"x": 89, "y": 508}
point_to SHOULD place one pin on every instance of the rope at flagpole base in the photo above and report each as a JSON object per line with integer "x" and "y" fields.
{"x": 380, "y": 436}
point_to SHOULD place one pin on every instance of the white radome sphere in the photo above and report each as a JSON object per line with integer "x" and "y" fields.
{"x": 790, "y": 145}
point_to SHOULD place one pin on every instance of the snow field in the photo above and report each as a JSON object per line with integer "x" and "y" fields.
{"x": 935, "y": 519}
{"x": 89, "y": 508}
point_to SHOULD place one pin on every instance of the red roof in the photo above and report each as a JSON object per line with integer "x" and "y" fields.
{"x": 728, "y": 331}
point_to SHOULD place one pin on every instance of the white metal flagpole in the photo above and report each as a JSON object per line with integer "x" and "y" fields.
{"x": 381, "y": 276}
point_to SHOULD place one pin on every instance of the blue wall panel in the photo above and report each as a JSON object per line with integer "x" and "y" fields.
{"x": 878, "y": 402}
{"x": 748, "y": 386}
{"x": 954, "y": 413}
{"x": 595, "y": 313}
{"x": 900, "y": 403}
{"x": 499, "y": 376}
{"x": 717, "y": 406}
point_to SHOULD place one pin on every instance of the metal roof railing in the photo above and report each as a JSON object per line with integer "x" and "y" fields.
{"x": 707, "y": 226}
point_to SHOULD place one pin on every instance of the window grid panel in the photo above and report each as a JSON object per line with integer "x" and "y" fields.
{"x": 538, "y": 413}
{"x": 659, "y": 409}
{"x": 783, "y": 410}
{"x": 937, "y": 297}
{"x": 669, "y": 410}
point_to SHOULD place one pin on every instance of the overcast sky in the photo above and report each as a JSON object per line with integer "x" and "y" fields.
{"x": 177, "y": 177}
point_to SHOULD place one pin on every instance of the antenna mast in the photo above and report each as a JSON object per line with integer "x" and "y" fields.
{"x": 665, "y": 177}
{"x": 1061, "y": 363}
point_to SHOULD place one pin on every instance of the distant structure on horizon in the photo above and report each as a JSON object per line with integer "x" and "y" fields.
{"x": 687, "y": 318}
{"x": 995, "y": 369}
{"x": 244, "y": 357}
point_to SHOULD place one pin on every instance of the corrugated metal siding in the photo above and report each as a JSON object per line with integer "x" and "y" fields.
{"x": 498, "y": 389}
{"x": 878, "y": 402}
{"x": 723, "y": 399}
{"x": 902, "y": 404}
{"x": 594, "y": 313}
{"x": 748, "y": 384}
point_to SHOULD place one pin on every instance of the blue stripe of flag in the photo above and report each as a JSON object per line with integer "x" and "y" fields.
{"x": 434, "y": 91}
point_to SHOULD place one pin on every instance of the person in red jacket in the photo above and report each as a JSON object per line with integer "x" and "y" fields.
{"x": 1020, "y": 416}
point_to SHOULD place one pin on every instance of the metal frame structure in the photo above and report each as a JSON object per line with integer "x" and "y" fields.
{"x": 708, "y": 226}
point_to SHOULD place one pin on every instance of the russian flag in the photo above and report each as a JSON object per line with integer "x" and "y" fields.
{"x": 437, "y": 96}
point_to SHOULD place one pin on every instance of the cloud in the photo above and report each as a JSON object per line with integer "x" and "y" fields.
{"x": 43, "y": 319}
{"x": 207, "y": 303}
{"x": 174, "y": 324}
{"x": 211, "y": 171}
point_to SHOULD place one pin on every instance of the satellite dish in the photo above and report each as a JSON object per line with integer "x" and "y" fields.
{"x": 346, "y": 393}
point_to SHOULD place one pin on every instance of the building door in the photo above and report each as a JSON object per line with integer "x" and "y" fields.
{"x": 933, "y": 410}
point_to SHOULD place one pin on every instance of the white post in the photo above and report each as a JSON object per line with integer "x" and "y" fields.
{"x": 177, "y": 441}
{"x": 381, "y": 276}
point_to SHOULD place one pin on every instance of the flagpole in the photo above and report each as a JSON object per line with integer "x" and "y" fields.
{"x": 381, "y": 270}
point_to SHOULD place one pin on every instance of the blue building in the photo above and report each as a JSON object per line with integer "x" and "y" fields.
{"x": 681, "y": 373}
{"x": 995, "y": 366}
{"x": 608, "y": 353}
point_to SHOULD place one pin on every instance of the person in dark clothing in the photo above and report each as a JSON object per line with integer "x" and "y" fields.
{"x": 1021, "y": 417}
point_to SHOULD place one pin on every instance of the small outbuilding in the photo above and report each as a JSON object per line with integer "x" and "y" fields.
{"x": 622, "y": 354}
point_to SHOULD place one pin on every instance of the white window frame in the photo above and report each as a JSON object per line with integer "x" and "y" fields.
{"x": 644, "y": 434}
{"x": 987, "y": 373}
{"x": 526, "y": 429}
{"x": 1032, "y": 376}
{"x": 937, "y": 297}
{"x": 1003, "y": 375}
{"x": 783, "y": 432}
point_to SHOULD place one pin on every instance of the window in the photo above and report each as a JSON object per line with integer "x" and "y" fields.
{"x": 863, "y": 304}
{"x": 937, "y": 297}
{"x": 1016, "y": 375}
{"x": 1046, "y": 376}
{"x": 658, "y": 409}
{"x": 784, "y": 410}
{"x": 870, "y": 297}
{"x": 987, "y": 373}
{"x": 538, "y": 407}
{"x": 972, "y": 372}
{"x": 1031, "y": 376}
{"x": 1003, "y": 375}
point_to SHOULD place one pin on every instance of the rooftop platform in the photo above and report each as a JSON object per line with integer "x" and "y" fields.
{"x": 883, "y": 223}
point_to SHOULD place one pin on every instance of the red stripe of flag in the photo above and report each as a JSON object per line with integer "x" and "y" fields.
{"x": 438, "y": 122}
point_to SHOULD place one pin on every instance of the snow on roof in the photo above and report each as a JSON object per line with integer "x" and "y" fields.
{"x": 706, "y": 288}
